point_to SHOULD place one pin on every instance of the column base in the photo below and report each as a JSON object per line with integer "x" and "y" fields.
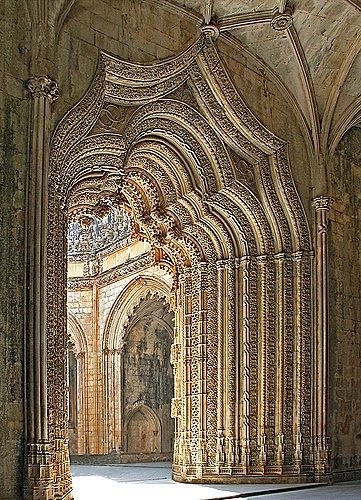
{"x": 240, "y": 475}
{"x": 39, "y": 472}
{"x": 48, "y": 472}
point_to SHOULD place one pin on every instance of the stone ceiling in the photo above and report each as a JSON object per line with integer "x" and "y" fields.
{"x": 316, "y": 58}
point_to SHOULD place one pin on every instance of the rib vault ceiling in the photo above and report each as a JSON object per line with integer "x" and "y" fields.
{"x": 316, "y": 60}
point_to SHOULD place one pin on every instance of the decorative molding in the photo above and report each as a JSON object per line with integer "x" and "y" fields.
{"x": 208, "y": 11}
{"x": 350, "y": 117}
{"x": 220, "y": 239}
{"x": 236, "y": 21}
{"x": 211, "y": 30}
{"x": 334, "y": 95}
{"x": 43, "y": 86}
{"x": 308, "y": 86}
{"x": 129, "y": 267}
{"x": 321, "y": 205}
{"x": 282, "y": 20}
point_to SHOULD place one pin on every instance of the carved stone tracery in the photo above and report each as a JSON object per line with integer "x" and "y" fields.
{"x": 242, "y": 303}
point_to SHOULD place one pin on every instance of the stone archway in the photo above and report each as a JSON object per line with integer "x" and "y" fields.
{"x": 131, "y": 309}
{"x": 212, "y": 188}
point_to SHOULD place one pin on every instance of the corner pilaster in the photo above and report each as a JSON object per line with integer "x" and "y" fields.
{"x": 39, "y": 481}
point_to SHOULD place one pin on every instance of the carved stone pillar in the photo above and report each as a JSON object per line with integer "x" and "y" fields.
{"x": 39, "y": 458}
{"x": 222, "y": 317}
{"x": 202, "y": 365}
{"x": 185, "y": 283}
{"x": 114, "y": 389}
{"x": 232, "y": 443}
{"x": 245, "y": 363}
{"x": 321, "y": 205}
{"x": 176, "y": 359}
{"x": 262, "y": 263}
{"x": 280, "y": 368}
{"x": 82, "y": 402}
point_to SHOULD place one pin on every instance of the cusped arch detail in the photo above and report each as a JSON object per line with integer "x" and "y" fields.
{"x": 127, "y": 301}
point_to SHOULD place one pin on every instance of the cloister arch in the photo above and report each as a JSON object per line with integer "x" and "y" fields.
{"x": 135, "y": 291}
{"x": 240, "y": 250}
{"x": 138, "y": 290}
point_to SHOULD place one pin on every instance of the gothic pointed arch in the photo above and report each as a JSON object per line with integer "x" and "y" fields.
{"x": 76, "y": 334}
{"x": 209, "y": 185}
{"x": 120, "y": 322}
{"x": 142, "y": 438}
{"x": 136, "y": 290}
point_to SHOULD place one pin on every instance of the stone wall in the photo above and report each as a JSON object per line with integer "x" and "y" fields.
{"x": 14, "y": 44}
{"x": 345, "y": 303}
{"x": 275, "y": 111}
{"x": 118, "y": 28}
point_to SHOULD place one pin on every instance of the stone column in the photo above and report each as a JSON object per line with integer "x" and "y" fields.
{"x": 321, "y": 205}
{"x": 245, "y": 381}
{"x": 82, "y": 401}
{"x": 185, "y": 281}
{"x": 221, "y": 299}
{"x": 262, "y": 263}
{"x": 176, "y": 357}
{"x": 202, "y": 366}
{"x": 43, "y": 91}
{"x": 280, "y": 360}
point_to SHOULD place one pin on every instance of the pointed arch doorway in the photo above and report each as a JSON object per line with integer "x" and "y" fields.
{"x": 118, "y": 298}
{"x": 240, "y": 247}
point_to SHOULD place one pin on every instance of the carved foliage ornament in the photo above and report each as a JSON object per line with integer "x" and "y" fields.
{"x": 43, "y": 86}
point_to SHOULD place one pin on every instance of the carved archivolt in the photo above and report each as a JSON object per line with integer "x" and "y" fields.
{"x": 241, "y": 259}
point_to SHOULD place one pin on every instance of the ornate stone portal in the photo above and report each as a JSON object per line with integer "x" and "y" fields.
{"x": 241, "y": 256}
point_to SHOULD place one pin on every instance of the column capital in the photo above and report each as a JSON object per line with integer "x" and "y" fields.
{"x": 322, "y": 203}
{"x": 43, "y": 86}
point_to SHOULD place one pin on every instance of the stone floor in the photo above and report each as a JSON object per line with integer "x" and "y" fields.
{"x": 153, "y": 481}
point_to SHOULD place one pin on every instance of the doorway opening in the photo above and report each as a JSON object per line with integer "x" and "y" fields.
{"x": 214, "y": 210}
{"x": 120, "y": 327}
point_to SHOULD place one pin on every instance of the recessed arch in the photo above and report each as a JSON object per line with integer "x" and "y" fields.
{"x": 126, "y": 303}
{"x": 77, "y": 335}
{"x": 134, "y": 425}
{"x": 240, "y": 257}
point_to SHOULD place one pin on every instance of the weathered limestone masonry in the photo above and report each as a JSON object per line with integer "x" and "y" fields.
{"x": 239, "y": 158}
{"x": 14, "y": 105}
{"x": 345, "y": 311}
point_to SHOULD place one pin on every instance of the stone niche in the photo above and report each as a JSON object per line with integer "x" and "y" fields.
{"x": 148, "y": 382}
